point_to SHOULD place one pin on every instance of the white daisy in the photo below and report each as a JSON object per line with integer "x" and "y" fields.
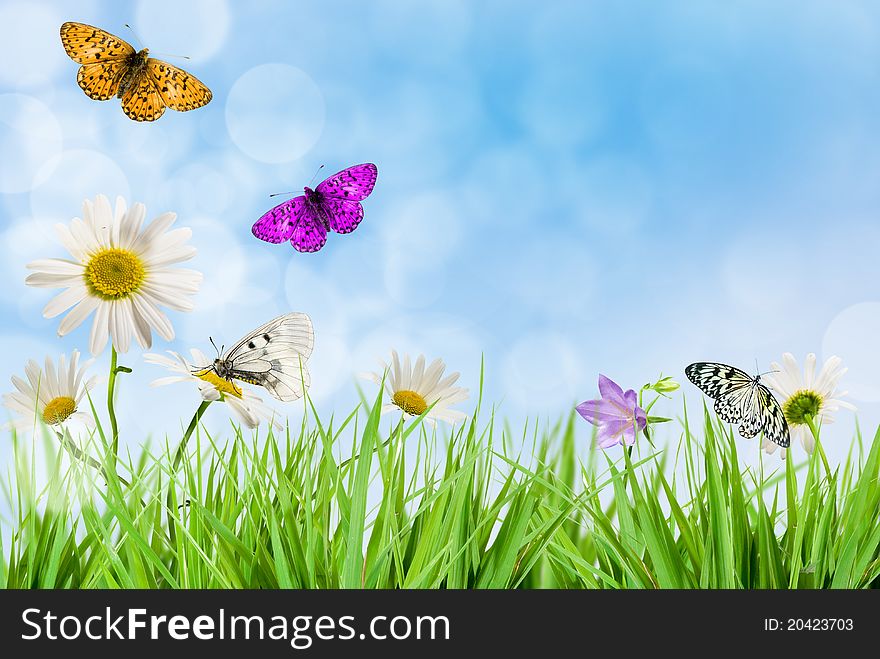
{"x": 414, "y": 389}
{"x": 119, "y": 272}
{"x": 805, "y": 393}
{"x": 247, "y": 406}
{"x": 52, "y": 394}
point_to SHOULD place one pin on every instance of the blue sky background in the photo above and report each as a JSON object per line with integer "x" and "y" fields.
{"x": 567, "y": 188}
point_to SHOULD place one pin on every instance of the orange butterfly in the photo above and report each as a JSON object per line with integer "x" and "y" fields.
{"x": 110, "y": 66}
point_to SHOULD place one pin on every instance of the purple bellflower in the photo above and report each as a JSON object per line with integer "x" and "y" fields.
{"x": 617, "y": 414}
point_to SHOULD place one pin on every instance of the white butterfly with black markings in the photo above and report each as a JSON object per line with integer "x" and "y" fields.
{"x": 741, "y": 398}
{"x": 273, "y": 356}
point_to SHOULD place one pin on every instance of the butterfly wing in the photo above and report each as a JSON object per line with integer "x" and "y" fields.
{"x": 104, "y": 58}
{"x": 355, "y": 183}
{"x": 734, "y": 405}
{"x": 86, "y": 44}
{"x": 716, "y": 379}
{"x": 178, "y": 89}
{"x": 278, "y": 224}
{"x": 100, "y": 80}
{"x": 343, "y": 215}
{"x": 141, "y": 101}
{"x": 773, "y": 421}
{"x": 309, "y": 234}
{"x": 274, "y": 355}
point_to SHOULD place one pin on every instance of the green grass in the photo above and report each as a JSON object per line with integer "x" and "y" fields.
{"x": 406, "y": 508}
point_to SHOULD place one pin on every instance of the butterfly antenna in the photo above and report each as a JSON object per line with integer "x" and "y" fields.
{"x": 136, "y": 37}
{"x": 276, "y": 194}
{"x": 211, "y": 339}
{"x": 173, "y": 55}
{"x": 765, "y": 372}
{"x": 316, "y": 175}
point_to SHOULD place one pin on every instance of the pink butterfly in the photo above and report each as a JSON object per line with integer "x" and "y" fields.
{"x": 335, "y": 204}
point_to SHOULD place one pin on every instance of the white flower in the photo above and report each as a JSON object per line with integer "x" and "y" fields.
{"x": 119, "y": 272}
{"x": 415, "y": 389}
{"x": 248, "y": 407}
{"x": 52, "y": 394}
{"x": 806, "y": 394}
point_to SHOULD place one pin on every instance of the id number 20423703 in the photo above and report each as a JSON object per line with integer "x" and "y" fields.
{"x": 808, "y": 624}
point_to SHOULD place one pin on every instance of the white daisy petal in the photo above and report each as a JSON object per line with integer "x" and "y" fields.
{"x": 71, "y": 244}
{"x": 103, "y": 222}
{"x": 120, "y": 326}
{"x": 154, "y": 229}
{"x": 50, "y": 382}
{"x": 791, "y": 368}
{"x": 809, "y": 369}
{"x": 49, "y": 280}
{"x": 372, "y": 377}
{"x": 100, "y": 329}
{"x": 73, "y": 376}
{"x": 56, "y": 267}
{"x": 158, "y": 320}
{"x": 140, "y": 327}
{"x": 23, "y": 387}
{"x": 77, "y": 315}
{"x": 167, "y": 299}
{"x": 134, "y": 220}
{"x": 243, "y": 413}
{"x": 395, "y": 367}
{"x": 200, "y": 358}
{"x": 161, "y": 360}
{"x": 181, "y": 279}
{"x": 34, "y": 374}
{"x": 433, "y": 374}
{"x": 64, "y": 300}
{"x": 406, "y": 374}
{"x": 417, "y": 373}
{"x": 84, "y": 236}
{"x": 118, "y": 217}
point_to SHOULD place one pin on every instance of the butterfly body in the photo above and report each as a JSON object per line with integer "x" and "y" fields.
{"x": 741, "y": 398}
{"x": 134, "y": 69}
{"x": 334, "y": 205}
{"x": 315, "y": 202}
{"x": 111, "y": 67}
{"x": 273, "y": 356}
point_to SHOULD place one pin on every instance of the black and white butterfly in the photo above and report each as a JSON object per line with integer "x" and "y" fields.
{"x": 741, "y": 398}
{"x": 273, "y": 356}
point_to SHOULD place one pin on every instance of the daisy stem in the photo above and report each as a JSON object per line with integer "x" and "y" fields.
{"x": 77, "y": 454}
{"x": 178, "y": 456}
{"x": 815, "y": 431}
{"x": 181, "y": 448}
{"x": 111, "y": 410}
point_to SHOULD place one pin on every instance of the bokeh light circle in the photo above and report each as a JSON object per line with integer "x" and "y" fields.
{"x": 196, "y": 29}
{"x": 30, "y": 47}
{"x": 29, "y": 136}
{"x": 852, "y": 336}
{"x": 275, "y": 113}
{"x": 73, "y": 176}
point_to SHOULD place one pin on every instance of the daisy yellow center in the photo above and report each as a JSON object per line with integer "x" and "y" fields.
{"x": 224, "y": 386}
{"x": 58, "y": 409}
{"x": 800, "y": 405}
{"x": 114, "y": 273}
{"x": 410, "y": 402}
